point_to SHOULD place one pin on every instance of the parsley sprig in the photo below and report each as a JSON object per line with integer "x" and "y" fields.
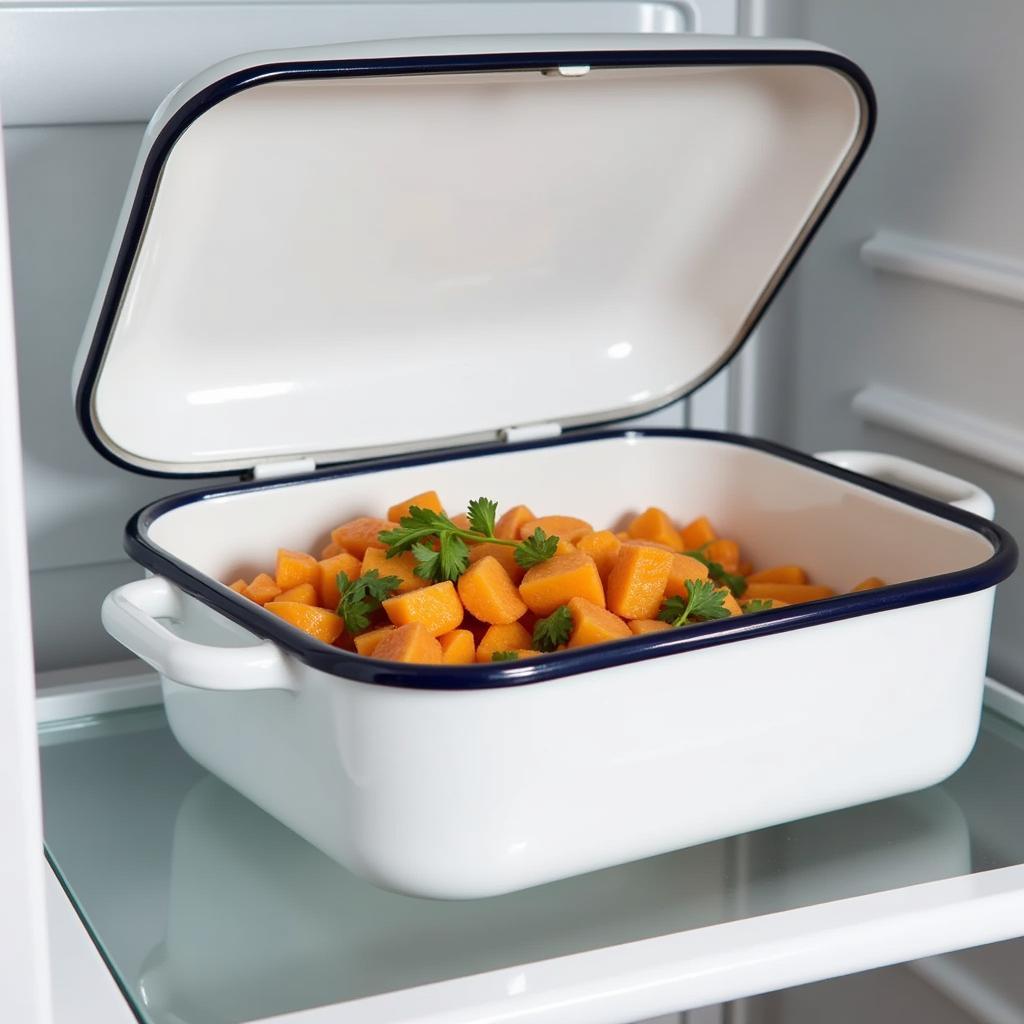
{"x": 757, "y": 604}
{"x": 441, "y": 549}
{"x": 704, "y": 602}
{"x": 505, "y": 656}
{"x": 361, "y": 597}
{"x": 737, "y": 584}
{"x": 553, "y": 631}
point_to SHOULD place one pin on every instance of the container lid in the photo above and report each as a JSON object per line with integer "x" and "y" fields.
{"x": 332, "y": 254}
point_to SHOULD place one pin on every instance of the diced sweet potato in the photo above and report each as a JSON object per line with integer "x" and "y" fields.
{"x": 564, "y": 527}
{"x": 304, "y": 593}
{"x": 602, "y": 546}
{"x": 317, "y": 622}
{"x": 489, "y": 595}
{"x": 505, "y": 555}
{"x": 655, "y": 524}
{"x": 428, "y": 500}
{"x": 329, "y": 550}
{"x": 623, "y": 536}
{"x": 412, "y": 642}
{"x": 436, "y": 607}
{"x": 403, "y": 566}
{"x": 791, "y": 593}
{"x": 564, "y": 547}
{"x": 329, "y": 569}
{"x": 461, "y": 520}
{"x": 638, "y": 627}
{"x": 359, "y": 534}
{"x": 558, "y": 580}
{"x": 871, "y": 583}
{"x": 683, "y": 568}
{"x": 697, "y": 534}
{"x": 592, "y": 624}
{"x": 725, "y": 552}
{"x": 457, "y": 647}
{"x": 263, "y": 589}
{"x": 511, "y": 637}
{"x": 636, "y": 543}
{"x": 636, "y": 584}
{"x": 295, "y": 567}
{"x": 239, "y": 587}
{"x": 507, "y": 527}
{"x": 779, "y": 574}
{"x": 366, "y": 643}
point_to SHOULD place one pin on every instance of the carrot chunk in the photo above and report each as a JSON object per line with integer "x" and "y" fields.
{"x": 655, "y": 524}
{"x": 263, "y": 589}
{"x": 633, "y": 542}
{"x": 329, "y": 569}
{"x": 295, "y": 567}
{"x": 592, "y": 624}
{"x": 317, "y": 622}
{"x": 567, "y": 528}
{"x": 871, "y": 583}
{"x": 505, "y": 555}
{"x": 403, "y": 566}
{"x": 437, "y": 608}
{"x": 638, "y": 627}
{"x": 461, "y": 521}
{"x": 779, "y": 574}
{"x": 359, "y": 534}
{"x": 329, "y": 550}
{"x": 239, "y": 587}
{"x": 428, "y": 500}
{"x": 683, "y": 568}
{"x": 489, "y": 594}
{"x": 698, "y": 533}
{"x": 507, "y": 527}
{"x": 366, "y": 643}
{"x": 511, "y": 637}
{"x": 558, "y": 580}
{"x": 457, "y": 647}
{"x": 412, "y": 642}
{"x": 602, "y": 546}
{"x": 725, "y": 552}
{"x": 304, "y": 593}
{"x": 636, "y": 584}
{"x": 791, "y": 593}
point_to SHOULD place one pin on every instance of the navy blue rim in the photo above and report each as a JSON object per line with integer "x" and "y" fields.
{"x": 586, "y": 659}
{"x": 299, "y": 70}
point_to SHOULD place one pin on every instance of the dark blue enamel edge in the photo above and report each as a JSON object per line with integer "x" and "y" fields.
{"x": 263, "y": 74}
{"x": 587, "y": 659}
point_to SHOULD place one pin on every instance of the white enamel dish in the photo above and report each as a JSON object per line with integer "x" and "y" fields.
{"x": 311, "y": 235}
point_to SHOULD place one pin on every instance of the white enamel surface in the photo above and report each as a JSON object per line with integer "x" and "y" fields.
{"x": 675, "y": 751}
{"x": 349, "y": 266}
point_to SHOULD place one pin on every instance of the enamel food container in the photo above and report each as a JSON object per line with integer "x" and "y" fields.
{"x": 354, "y": 274}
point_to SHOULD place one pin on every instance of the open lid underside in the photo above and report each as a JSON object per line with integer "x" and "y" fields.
{"x": 347, "y": 257}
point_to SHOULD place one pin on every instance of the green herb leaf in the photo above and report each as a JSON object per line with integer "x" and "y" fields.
{"x": 536, "y": 549}
{"x": 737, "y": 584}
{"x": 505, "y": 656}
{"x": 481, "y": 513}
{"x": 757, "y": 604}
{"x": 704, "y": 602}
{"x": 553, "y": 631}
{"x": 417, "y": 526}
{"x": 361, "y": 597}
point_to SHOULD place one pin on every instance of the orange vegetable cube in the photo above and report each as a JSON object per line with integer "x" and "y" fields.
{"x": 461, "y": 521}
{"x": 366, "y": 643}
{"x": 295, "y": 567}
{"x": 304, "y": 593}
{"x": 505, "y": 555}
{"x": 507, "y": 527}
{"x": 634, "y": 543}
{"x": 683, "y": 568}
{"x": 638, "y": 627}
{"x": 655, "y": 524}
{"x": 567, "y": 528}
{"x": 791, "y": 593}
{"x": 457, "y": 647}
{"x": 592, "y": 624}
{"x": 779, "y": 574}
{"x": 563, "y": 547}
{"x": 263, "y": 589}
{"x": 412, "y": 642}
{"x": 623, "y": 536}
{"x": 555, "y": 582}
{"x": 510, "y": 637}
{"x": 239, "y": 587}
{"x": 428, "y": 500}
{"x": 317, "y": 622}
{"x": 359, "y": 534}
{"x": 697, "y": 534}
{"x": 603, "y": 547}
{"x": 403, "y": 566}
{"x": 871, "y": 583}
{"x": 329, "y": 569}
{"x": 489, "y": 594}
{"x": 436, "y": 607}
{"x": 725, "y": 552}
{"x": 636, "y": 584}
{"x": 329, "y": 550}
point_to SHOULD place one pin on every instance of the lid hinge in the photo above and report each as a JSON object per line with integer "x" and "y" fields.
{"x": 283, "y": 467}
{"x": 531, "y": 432}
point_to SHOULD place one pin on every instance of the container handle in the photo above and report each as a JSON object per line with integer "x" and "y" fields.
{"x": 914, "y": 476}
{"x": 130, "y": 615}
